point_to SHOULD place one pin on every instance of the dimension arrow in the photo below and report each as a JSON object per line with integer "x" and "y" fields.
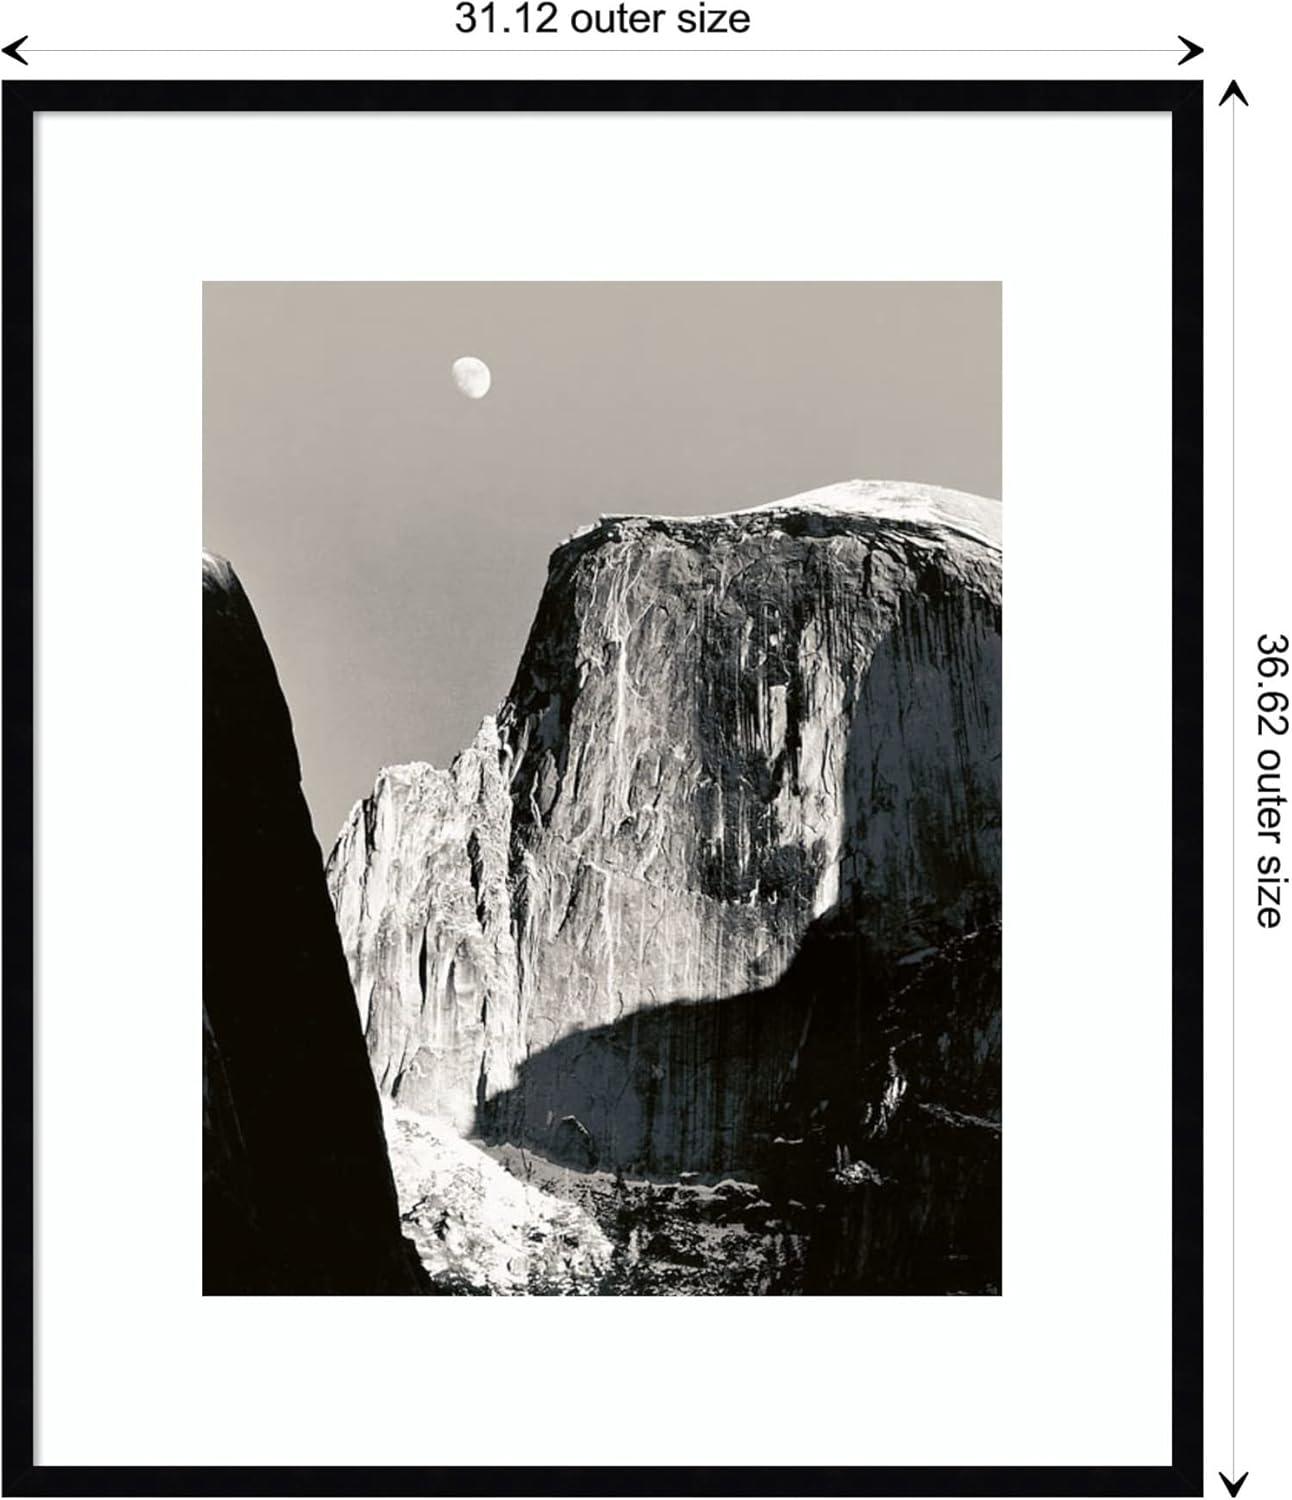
{"x": 1235, "y": 93}
{"x": 1192, "y": 50}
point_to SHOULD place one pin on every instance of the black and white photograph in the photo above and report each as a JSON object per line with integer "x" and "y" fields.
{"x": 602, "y": 788}
{"x": 591, "y": 836}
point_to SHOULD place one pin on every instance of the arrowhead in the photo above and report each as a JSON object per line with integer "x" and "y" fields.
{"x": 1194, "y": 51}
{"x": 1234, "y": 1485}
{"x": 12, "y": 51}
{"x": 1237, "y": 93}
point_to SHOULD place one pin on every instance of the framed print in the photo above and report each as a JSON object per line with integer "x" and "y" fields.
{"x": 671, "y": 946}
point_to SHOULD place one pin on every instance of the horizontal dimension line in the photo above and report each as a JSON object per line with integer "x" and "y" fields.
{"x": 694, "y": 51}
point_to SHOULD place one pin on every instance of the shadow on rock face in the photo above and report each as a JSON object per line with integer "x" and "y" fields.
{"x": 869, "y": 1093}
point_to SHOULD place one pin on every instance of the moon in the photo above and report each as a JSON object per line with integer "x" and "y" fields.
{"x": 472, "y": 377}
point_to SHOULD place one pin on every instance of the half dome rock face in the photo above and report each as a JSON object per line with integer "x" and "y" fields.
{"x": 743, "y": 797}
{"x": 297, "y": 1188}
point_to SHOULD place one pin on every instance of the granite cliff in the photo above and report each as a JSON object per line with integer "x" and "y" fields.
{"x": 297, "y": 1188}
{"x": 719, "y": 887}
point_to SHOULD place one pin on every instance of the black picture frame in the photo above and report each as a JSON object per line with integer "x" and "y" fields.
{"x": 22, "y": 101}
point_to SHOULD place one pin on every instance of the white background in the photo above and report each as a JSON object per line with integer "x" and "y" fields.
{"x": 1247, "y": 39}
{"x": 1070, "y": 1365}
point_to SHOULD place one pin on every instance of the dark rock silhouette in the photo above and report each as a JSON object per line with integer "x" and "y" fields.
{"x": 298, "y": 1194}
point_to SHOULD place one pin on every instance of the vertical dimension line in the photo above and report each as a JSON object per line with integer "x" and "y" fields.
{"x": 1233, "y": 628}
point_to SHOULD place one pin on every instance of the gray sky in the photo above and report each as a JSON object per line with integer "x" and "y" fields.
{"x": 394, "y": 535}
